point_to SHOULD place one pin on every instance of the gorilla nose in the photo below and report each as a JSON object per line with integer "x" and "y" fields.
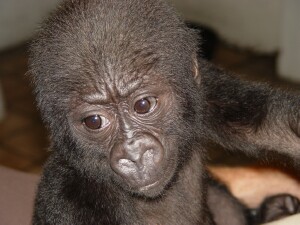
{"x": 138, "y": 160}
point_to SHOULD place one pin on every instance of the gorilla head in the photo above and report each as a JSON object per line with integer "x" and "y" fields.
{"x": 113, "y": 83}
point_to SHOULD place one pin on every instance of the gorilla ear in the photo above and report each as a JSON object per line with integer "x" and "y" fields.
{"x": 196, "y": 73}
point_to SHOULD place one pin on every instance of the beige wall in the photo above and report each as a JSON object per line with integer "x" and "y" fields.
{"x": 253, "y": 24}
{"x": 265, "y": 26}
{"x": 20, "y": 18}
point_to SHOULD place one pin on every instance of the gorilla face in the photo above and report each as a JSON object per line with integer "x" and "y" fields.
{"x": 131, "y": 135}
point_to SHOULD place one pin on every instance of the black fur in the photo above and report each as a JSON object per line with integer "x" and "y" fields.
{"x": 115, "y": 49}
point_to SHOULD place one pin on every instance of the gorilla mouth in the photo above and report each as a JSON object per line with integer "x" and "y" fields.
{"x": 149, "y": 186}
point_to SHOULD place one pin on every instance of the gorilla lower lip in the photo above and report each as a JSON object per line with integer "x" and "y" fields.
{"x": 149, "y": 186}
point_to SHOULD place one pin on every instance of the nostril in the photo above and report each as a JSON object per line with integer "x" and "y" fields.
{"x": 126, "y": 162}
{"x": 134, "y": 156}
{"x": 149, "y": 157}
{"x": 127, "y": 166}
{"x": 139, "y": 161}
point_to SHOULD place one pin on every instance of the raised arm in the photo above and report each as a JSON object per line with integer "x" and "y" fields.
{"x": 249, "y": 116}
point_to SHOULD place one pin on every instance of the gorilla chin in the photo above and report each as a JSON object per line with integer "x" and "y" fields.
{"x": 152, "y": 190}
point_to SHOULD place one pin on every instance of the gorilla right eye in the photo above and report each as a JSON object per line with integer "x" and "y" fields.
{"x": 95, "y": 122}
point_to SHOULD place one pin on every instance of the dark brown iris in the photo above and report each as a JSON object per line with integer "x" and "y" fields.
{"x": 93, "y": 122}
{"x": 142, "y": 106}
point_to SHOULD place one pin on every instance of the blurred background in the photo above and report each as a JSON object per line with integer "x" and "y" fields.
{"x": 257, "y": 39}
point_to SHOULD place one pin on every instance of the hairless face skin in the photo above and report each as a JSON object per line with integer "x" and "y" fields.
{"x": 130, "y": 108}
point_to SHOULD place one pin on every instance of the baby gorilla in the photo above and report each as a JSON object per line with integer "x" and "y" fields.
{"x": 130, "y": 109}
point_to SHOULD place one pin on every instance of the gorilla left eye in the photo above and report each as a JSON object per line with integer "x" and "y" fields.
{"x": 95, "y": 122}
{"x": 145, "y": 105}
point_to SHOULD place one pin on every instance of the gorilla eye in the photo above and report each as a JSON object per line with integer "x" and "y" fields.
{"x": 95, "y": 122}
{"x": 145, "y": 105}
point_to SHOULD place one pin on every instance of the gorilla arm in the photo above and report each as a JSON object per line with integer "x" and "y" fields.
{"x": 248, "y": 116}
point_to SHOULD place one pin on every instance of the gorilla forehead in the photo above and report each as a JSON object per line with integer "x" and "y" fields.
{"x": 110, "y": 78}
{"x": 101, "y": 42}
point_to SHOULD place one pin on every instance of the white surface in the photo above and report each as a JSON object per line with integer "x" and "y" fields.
{"x": 292, "y": 220}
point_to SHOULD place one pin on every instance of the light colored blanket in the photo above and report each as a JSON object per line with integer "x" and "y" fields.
{"x": 292, "y": 220}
